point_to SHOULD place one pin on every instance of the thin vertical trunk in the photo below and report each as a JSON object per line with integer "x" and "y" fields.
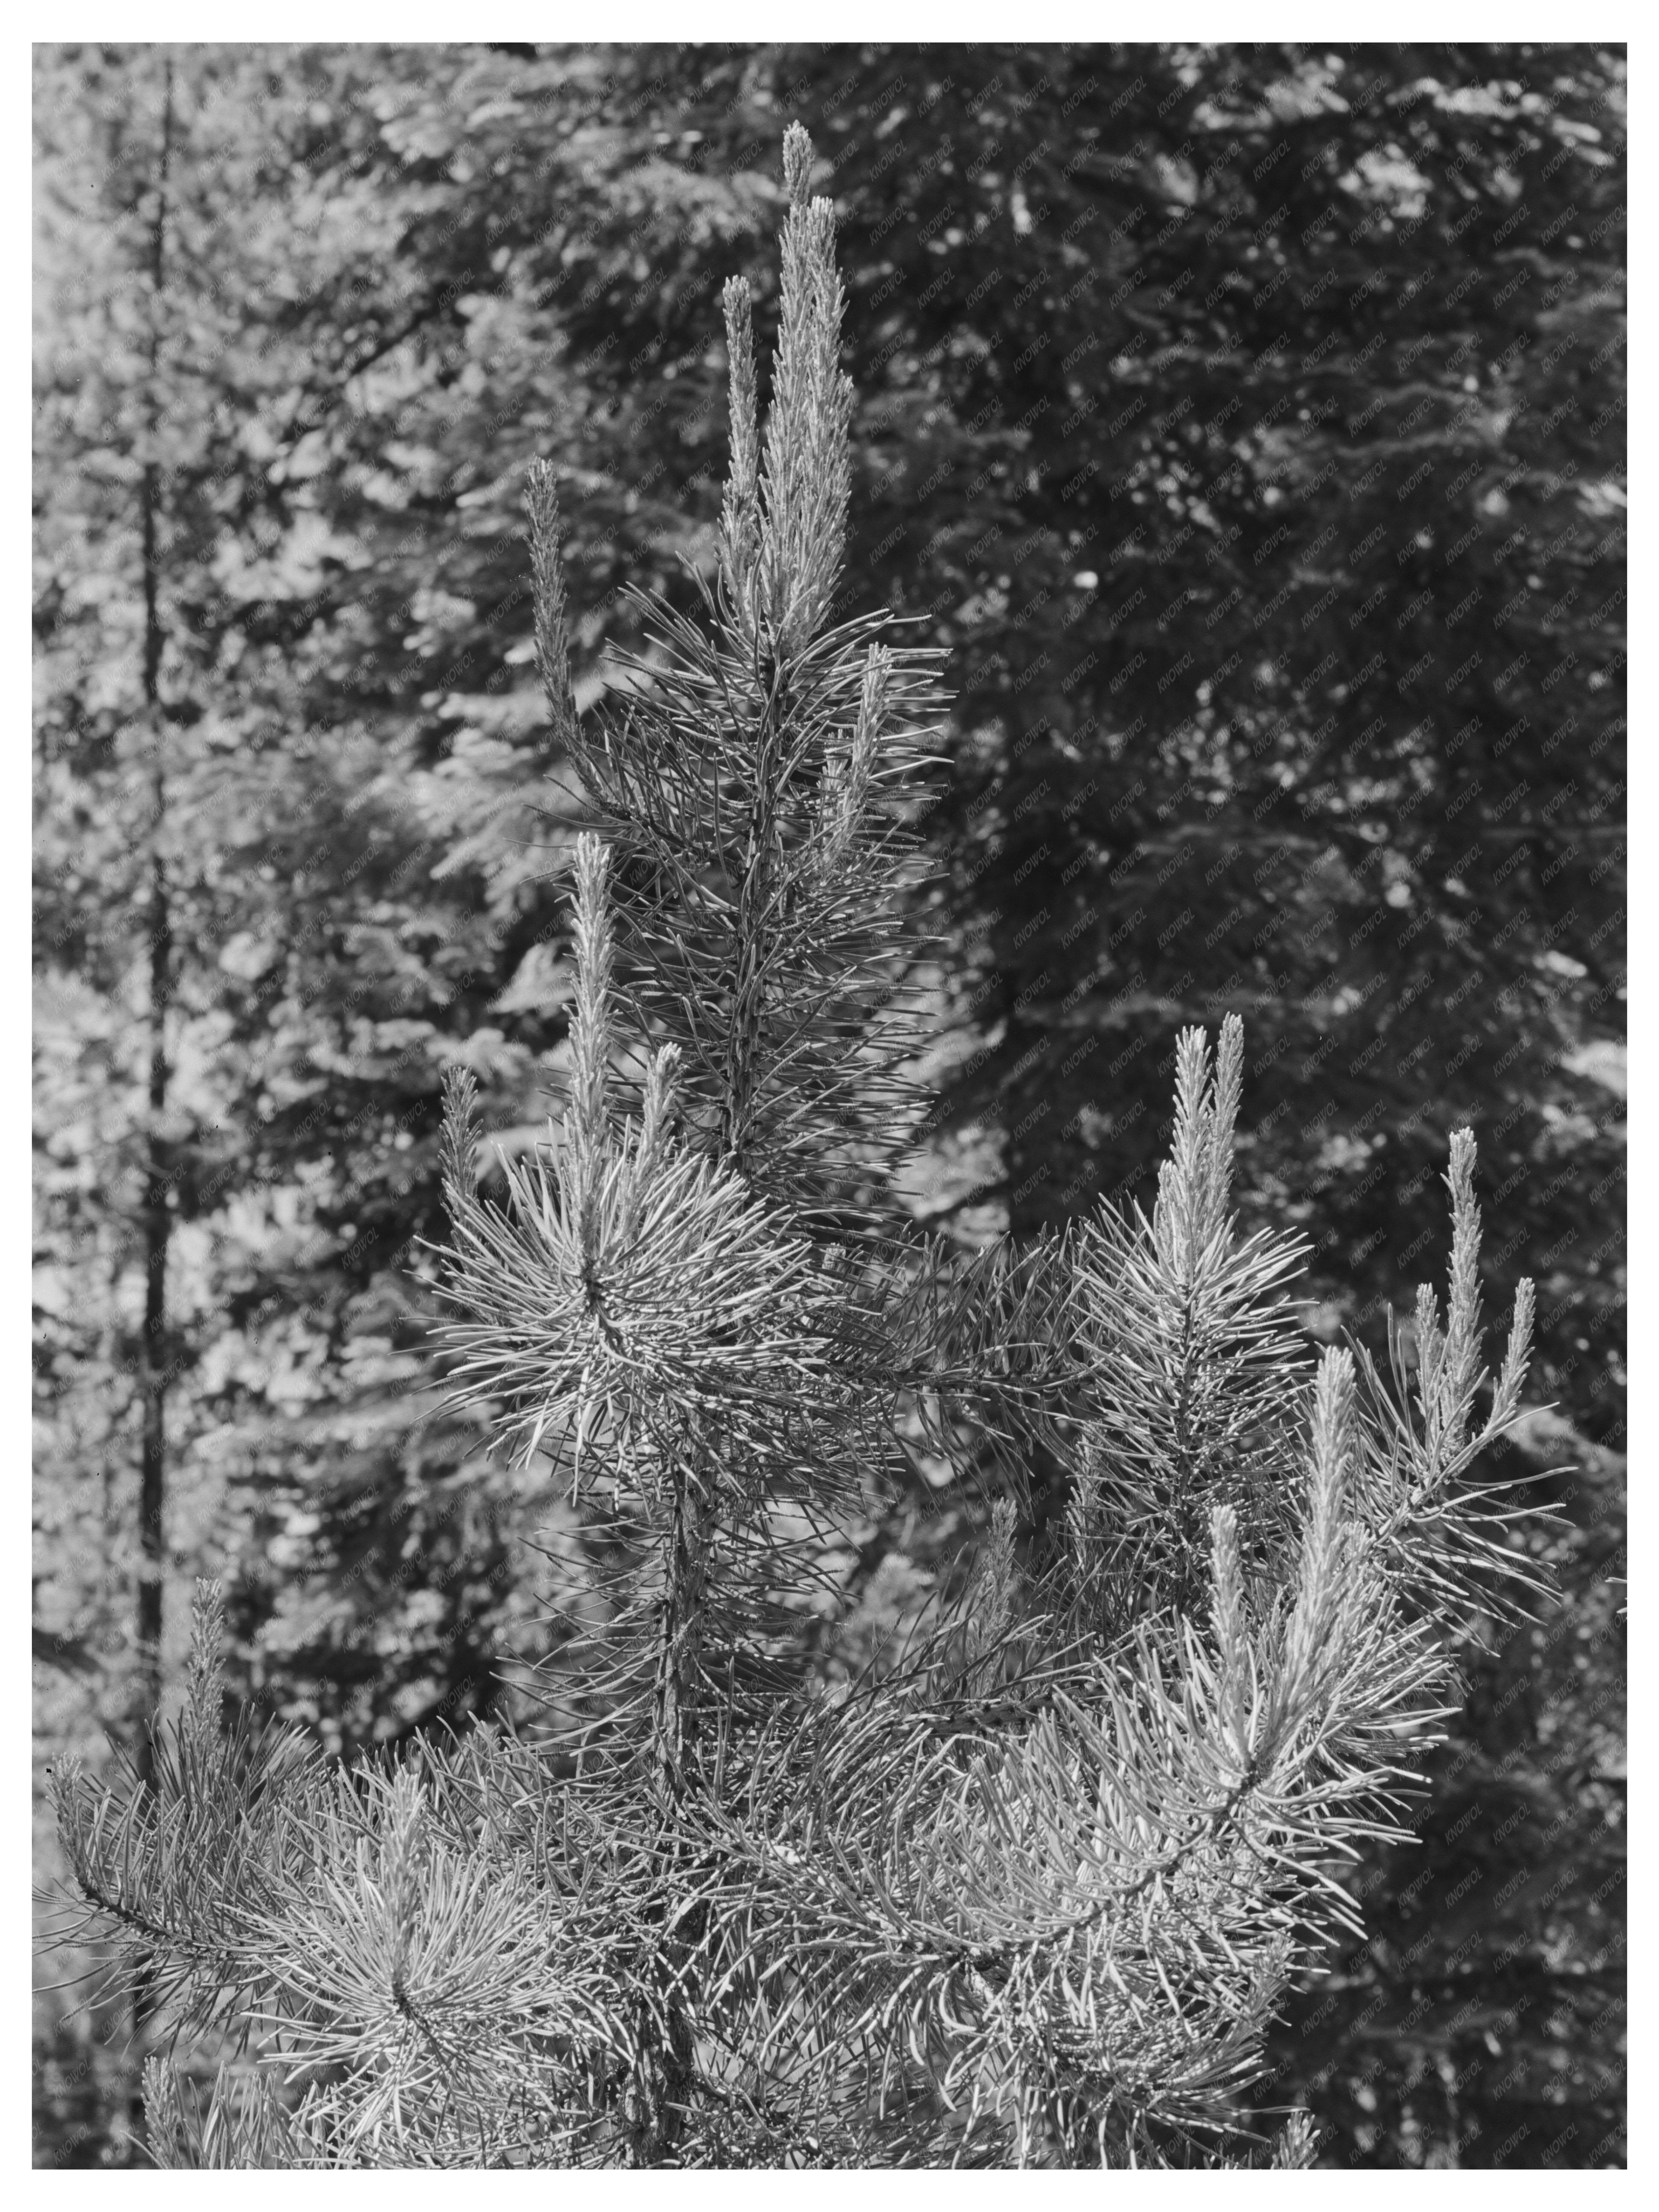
{"x": 156, "y": 1216}
{"x": 157, "y": 1227}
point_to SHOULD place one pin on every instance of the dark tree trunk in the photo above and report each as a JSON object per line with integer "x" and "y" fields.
{"x": 157, "y": 1214}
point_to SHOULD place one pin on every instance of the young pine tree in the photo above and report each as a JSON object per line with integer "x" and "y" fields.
{"x": 1027, "y": 1888}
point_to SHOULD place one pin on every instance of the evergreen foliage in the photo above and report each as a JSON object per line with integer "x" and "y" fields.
{"x": 1027, "y": 1889}
{"x": 328, "y": 941}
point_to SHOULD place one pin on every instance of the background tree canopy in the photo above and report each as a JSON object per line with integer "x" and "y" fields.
{"x": 1248, "y": 425}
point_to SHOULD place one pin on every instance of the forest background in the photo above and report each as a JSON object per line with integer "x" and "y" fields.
{"x": 1248, "y": 423}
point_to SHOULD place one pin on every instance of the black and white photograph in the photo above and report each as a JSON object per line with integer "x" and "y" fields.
{"x": 829, "y": 1088}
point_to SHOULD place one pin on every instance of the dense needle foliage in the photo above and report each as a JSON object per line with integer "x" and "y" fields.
{"x": 1025, "y": 1886}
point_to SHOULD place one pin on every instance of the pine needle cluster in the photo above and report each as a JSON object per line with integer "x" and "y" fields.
{"x": 1027, "y": 1893}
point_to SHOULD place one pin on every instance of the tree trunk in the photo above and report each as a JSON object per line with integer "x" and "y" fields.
{"x": 157, "y": 1215}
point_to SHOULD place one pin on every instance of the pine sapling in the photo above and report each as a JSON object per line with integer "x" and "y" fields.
{"x": 1028, "y": 1891}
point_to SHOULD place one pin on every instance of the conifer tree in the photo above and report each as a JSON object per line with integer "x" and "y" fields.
{"x": 1026, "y": 1887}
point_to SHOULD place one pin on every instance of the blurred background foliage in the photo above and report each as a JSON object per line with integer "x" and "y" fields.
{"x": 1249, "y": 422}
